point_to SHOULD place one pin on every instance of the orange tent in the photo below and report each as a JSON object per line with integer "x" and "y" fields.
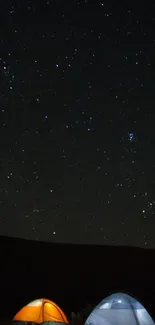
{"x": 39, "y": 311}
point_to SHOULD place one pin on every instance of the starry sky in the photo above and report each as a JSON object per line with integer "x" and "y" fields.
{"x": 77, "y": 118}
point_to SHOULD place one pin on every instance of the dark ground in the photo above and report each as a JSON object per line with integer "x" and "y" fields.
{"x": 71, "y": 275}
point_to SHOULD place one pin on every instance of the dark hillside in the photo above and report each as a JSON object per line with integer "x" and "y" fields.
{"x": 72, "y": 275}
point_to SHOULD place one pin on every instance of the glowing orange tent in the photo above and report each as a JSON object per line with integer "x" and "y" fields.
{"x": 41, "y": 311}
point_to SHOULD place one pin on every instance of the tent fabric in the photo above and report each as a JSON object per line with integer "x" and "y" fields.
{"x": 41, "y": 310}
{"x": 34, "y": 323}
{"x": 119, "y": 309}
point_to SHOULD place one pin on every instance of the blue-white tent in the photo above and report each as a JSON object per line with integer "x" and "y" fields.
{"x": 119, "y": 309}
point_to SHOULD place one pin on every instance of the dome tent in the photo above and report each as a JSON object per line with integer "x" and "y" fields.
{"x": 119, "y": 309}
{"x": 41, "y": 311}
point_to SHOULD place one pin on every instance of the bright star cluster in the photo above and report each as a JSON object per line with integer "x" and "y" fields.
{"x": 77, "y": 158}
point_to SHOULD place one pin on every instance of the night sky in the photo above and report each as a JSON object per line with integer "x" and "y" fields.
{"x": 77, "y": 121}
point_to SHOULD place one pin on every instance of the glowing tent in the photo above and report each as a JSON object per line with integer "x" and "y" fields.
{"x": 119, "y": 309}
{"x": 41, "y": 311}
